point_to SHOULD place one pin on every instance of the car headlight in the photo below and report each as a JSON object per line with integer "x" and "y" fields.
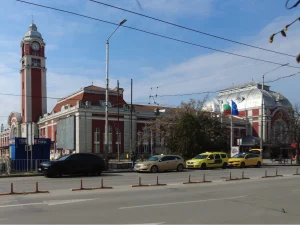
{"x": 146, "y": 164}
{"x": 45, "y": 164}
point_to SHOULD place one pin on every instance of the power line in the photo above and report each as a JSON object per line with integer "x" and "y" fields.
{"x": 191, "y": 29}
{"x": 19, "y": 95}
{"x": 55, "y": 98}
{"x": 279, "y": 78}
{"x": 187, "y": 94}
{"x": 211, "y": 92}
{"x": 159, "y": 35}
{"x": 201, "y": 77}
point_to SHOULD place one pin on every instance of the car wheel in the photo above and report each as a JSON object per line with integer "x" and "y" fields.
{"x": 203, "y": 166}
{"x": 180, "y": 168}
{"x": 243, "y": 165}
{"x": 49, "y": 175}
{"x": 99, "y": 173}
{"x": 154, "y": 169}
{"x": 224, "y": 166}
{"x": 258, "y": 165}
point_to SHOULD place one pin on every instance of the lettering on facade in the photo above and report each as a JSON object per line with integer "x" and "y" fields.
{"x": 22, "y": 141}
{"x": 43, "y": 142}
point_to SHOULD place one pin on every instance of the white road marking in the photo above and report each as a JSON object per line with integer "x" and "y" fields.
{"x": 177, "y": 203}
{"x": 49, "y": 203}
{"x": 59, "y": 202}
{"x": 18, "y": 205}
{"x": 150, "y": 223}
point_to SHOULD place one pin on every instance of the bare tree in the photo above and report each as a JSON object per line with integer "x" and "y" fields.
{"x": 295, "y": 128}
{"x": 283, "y": 135}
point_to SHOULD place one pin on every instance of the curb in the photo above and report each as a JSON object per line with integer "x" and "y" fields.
{"x": 39, "y": 174}
{"x": 117, "y": 171}
{"x": 20, "y": 175}
{"x": 270, "y": 165}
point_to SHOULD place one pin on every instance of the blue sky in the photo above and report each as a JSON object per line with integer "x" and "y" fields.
{"x": 76, "y": 47}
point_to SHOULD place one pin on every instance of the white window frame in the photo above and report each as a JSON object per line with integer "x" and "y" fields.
{"x": 97, "y": 140}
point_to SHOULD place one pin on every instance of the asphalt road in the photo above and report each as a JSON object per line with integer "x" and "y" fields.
{"x": 127, "y": 179}
{"x": 273, "y": 200}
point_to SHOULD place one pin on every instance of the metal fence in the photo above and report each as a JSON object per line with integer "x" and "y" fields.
{"x": 8, "y": 166}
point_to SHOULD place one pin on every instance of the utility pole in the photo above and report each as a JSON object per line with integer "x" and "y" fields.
{"x": 85, "y": 142}
{"x": 131, "y": 119}
{"x": 118, "y": 130}
{"x": 262, "y": 106}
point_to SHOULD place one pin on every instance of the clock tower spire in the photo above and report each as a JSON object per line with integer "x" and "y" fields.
{"x": 33, "y": 76}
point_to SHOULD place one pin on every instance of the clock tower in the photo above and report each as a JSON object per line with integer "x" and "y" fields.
{"x": 33, "y": 77}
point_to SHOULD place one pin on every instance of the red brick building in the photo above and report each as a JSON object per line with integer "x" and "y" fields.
{"x": 88, "y": 108}
{"x": 276, "y": 116}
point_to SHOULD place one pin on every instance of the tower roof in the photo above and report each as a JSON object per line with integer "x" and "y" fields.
{"x": 32, "y": 33}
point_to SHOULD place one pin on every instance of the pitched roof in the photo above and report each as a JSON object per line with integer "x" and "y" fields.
{"x": 96, "y": 88}
{"x": 149, "y": 108}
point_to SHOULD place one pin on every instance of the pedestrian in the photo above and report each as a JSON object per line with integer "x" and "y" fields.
{"x": 132, "y": 158}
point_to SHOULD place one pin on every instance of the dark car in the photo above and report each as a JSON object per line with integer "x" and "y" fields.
{"x": 79, "y": 163}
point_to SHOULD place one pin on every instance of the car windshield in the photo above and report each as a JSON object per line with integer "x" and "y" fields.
{"x": 63, "y": 158}
{"x": 239, "y": 156}
{"x": 153, "y": 158}
{"x": 200, "y": 157}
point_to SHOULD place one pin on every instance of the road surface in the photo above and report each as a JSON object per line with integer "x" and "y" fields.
{"x": 130, "y": 178}
{"x": 270, "y": 200}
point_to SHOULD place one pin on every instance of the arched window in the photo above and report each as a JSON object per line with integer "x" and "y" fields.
{"x": 280, "y": 132}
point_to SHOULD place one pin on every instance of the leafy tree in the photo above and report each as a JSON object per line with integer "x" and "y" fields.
{"x": 188, "y": 130}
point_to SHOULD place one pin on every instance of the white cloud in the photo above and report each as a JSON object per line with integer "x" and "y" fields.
{"x": 208, "y": 68}
{"x": 213, "y": 71}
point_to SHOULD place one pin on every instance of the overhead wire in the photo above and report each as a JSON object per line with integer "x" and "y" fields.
{"x": 191, "y": 29}
{"x": 159, "y": 35}
{"x": 211, "y": 92}
{"x": 202, "y": 77}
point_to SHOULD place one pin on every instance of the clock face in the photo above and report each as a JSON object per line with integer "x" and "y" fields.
{"x": 35, "y": 46}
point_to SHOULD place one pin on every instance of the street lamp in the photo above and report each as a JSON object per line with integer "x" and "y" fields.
{"x": 262, "y": 104}
{"x": 107, "y": 85}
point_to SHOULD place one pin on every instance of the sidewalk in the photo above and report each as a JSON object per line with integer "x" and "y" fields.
{"x": 268, "y": 162}
{"x": 39, "y": 174}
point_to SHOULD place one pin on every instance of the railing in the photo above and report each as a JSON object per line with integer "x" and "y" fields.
{"x": 20, "y": 165}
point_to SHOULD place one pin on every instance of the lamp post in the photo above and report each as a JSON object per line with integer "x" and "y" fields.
{"x": 262, "y": 105}
{"x": 107, "y": 86}
{"x": 118, "y": 138}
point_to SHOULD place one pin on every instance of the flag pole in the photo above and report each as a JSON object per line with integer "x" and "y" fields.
{"x": 231, "y": 133}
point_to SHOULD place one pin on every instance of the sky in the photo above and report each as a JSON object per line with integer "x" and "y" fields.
{"x": 75, "y": 48}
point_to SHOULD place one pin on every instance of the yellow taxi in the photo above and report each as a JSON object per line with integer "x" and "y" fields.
{"x": 208, "y": 160}
{"x": 158, "y": 163}
{"x": 256, "y": 151}
{"x": 245, "y": 159}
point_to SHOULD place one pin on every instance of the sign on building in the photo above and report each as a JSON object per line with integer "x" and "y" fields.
{"x": 234, "y": 150}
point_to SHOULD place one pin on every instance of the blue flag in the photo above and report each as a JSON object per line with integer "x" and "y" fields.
{"x": 234, "y": 109}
